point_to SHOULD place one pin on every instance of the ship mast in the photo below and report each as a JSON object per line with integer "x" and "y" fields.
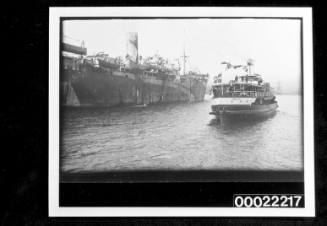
{"x": 184, "y": 59}
{"x": 249, "y": 64}
{"x": 184, "y": 55}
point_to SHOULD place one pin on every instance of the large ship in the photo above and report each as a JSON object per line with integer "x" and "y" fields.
{"x": 245, "y": 96}
{"x": 100, "y": 80}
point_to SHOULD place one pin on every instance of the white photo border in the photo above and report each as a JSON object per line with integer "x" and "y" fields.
{"x": 304, "y": 13}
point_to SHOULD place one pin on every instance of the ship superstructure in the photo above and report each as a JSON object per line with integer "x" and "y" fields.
{"x": 101, "y": 80}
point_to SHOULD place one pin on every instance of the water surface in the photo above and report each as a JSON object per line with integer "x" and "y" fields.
{"x": 179, "y": 136}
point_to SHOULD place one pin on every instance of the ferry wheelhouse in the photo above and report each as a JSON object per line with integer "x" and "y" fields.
{"x": 246, "y": 95}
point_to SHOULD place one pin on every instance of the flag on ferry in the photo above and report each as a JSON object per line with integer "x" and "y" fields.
{"x": 228, "y": 65}
{"x": 237, "y": 66}
{"x": 217, "y": 78}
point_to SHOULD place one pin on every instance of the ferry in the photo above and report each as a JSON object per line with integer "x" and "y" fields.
{"x": 245, "y": 96}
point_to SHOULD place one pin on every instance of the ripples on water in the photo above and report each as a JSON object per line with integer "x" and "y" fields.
{"x": 179, "y": 136}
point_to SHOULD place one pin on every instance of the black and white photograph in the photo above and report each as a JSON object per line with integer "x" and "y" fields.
{"x": 161, "y": 95}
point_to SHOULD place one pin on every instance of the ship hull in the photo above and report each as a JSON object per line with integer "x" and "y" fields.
{"x": 102, "y": 87}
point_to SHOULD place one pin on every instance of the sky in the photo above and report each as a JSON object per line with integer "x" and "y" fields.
{"x": 273, "y": 44}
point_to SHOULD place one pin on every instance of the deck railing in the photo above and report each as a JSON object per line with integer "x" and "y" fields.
{"x": 245, "y": 94}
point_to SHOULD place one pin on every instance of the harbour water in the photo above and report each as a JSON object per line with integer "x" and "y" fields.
{"x": 179, "y": 136}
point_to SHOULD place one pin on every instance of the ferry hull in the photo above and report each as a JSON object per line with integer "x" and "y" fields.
{"x": 251, "y": 111}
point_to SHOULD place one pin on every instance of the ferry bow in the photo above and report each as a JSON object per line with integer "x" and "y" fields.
{"x": 246, "y": 95}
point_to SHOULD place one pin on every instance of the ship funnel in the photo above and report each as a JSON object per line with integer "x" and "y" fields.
{"x": 132, "y": 49}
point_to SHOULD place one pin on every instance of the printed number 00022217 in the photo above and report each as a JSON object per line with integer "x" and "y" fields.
{"x": 268, "y": 201}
